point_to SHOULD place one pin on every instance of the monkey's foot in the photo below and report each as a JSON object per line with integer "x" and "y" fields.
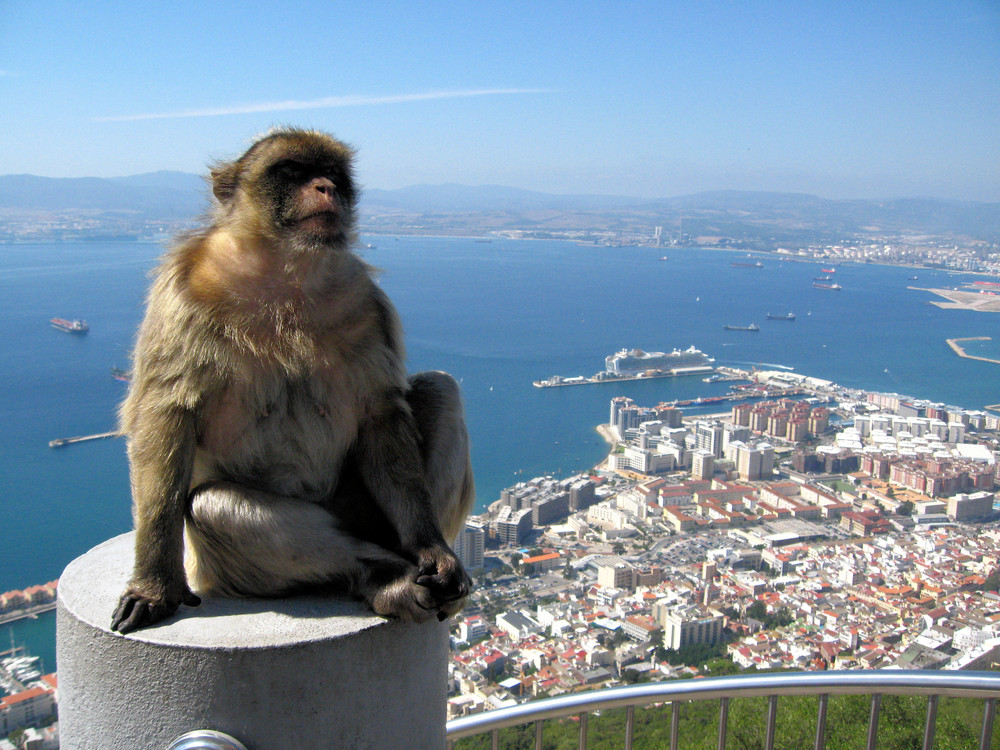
{"x": 136, "y": 611}
{"x": 407, "y": 600}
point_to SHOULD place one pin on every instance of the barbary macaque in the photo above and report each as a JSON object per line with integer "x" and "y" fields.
{"x": 275, "y": 442}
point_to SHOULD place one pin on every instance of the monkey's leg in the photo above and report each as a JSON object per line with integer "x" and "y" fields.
{"x": 436, "y": 404}
{"x": 250, "y": 543}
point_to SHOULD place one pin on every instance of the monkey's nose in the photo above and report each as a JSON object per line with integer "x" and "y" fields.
{"x": 323, "y": 185}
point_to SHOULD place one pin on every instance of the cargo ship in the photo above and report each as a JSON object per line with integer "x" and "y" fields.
{"x": 786, "y": 316}
{"x": 758, "y": 264}
{"x": 817, "y": 285}
{"x": 70, "y": 326}
{"x": 753, "y": 327}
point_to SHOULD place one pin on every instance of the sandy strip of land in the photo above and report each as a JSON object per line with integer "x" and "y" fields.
{"x": 958, "y": 300}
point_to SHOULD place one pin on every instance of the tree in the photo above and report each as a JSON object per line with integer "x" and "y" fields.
{"x": 618, "y": 548}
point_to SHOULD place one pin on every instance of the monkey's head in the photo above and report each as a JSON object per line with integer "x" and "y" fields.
{"x": 293, "y": 185}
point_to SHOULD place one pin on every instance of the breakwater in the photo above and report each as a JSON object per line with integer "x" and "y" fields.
{"x": 960, "y": 351}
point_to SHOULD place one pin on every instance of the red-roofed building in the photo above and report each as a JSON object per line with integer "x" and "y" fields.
{"x": 541, "y": 563}
{"x": 29, "y": 708}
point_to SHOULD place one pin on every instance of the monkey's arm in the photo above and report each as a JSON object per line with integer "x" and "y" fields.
{"x": 389, "y": 459}
{"x": 161, "y": 453}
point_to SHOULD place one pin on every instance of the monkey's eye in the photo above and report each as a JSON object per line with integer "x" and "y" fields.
{"x": 290, "y": 170}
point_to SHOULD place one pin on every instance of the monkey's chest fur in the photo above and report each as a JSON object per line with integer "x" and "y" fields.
{"x": 286, "y": 436}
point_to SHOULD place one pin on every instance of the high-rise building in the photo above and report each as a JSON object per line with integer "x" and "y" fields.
{"x": 755, "y": 461}
{"x": 471, "y": 544}
{"x": 702, "y": 464}
{"x": 513, "y": 525}
{"x": 690, "y": 626}
{"x": 614, "y": 573}
{"x": 708, "y": 437}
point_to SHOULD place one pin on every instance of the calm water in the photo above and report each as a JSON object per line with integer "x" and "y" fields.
{"x": 497, "y": 315}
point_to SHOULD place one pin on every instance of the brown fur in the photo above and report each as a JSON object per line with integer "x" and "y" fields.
{"x": 270, "y": 419}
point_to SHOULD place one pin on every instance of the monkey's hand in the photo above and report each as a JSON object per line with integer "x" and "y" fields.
{"x": 443, "y": 575}
{"x": 143, "y": 605}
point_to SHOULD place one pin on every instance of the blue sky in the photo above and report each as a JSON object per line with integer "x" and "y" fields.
{"x": 841, "y": 99}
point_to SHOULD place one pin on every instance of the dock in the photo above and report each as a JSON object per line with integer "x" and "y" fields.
{"x": 957, "y": 348}
{"x": 60, "y": 442}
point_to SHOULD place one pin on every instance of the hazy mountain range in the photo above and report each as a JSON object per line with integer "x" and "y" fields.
{"x": 737, "y": 214}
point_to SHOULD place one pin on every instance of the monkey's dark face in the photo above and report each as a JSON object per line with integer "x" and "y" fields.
{"x": 298, "y": 182}
{"x": 310, "y": 200}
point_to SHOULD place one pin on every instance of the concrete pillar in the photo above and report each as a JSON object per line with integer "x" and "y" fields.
{"x": 297, "y": 673}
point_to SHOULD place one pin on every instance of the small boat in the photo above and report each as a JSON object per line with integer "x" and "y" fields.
{"x": 70, "y": 326}
{"x": 752, "y": 327}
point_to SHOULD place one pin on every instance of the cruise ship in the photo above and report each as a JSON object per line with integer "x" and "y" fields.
{"x": 634, "y": 361}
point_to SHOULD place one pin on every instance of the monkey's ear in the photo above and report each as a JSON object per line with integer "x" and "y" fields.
{"x": 224, "y": 180}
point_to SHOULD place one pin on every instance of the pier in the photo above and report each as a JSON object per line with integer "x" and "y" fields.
{"x": 957, "y": 348}
{"x": 60, "y": 442}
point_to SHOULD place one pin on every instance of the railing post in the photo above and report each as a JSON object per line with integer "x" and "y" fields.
{"x": 723, "y": 723}
{"x": 873, "y": 721}
{"x": 989, "y": 712}
{"x": 300, "y": 673}
{"x": 930, "y": 722}
{"x": 821, "y": 711}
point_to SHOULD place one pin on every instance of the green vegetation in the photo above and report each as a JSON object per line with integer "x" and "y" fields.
{"x": 992, "y": 583}
{"x": 758, "y": 611}
{"x": 901, "y": 726}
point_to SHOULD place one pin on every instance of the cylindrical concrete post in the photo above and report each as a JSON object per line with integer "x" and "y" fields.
{"x": 297, "y": 673}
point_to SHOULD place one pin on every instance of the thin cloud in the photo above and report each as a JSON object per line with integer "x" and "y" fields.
{"x": 324, "y": 103}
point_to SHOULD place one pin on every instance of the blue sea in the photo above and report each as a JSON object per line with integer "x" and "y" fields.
{"x": 497, "y": 315}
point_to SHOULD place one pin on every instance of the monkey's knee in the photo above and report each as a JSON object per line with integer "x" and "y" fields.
{"x": 434, "y": 392}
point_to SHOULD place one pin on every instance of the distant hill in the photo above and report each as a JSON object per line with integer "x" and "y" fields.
{"x": 452, "y": 198}
{"x": 746, "y": 216}
{"x": 156, "y": 195}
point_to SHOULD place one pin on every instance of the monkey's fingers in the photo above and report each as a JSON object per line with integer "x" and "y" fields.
{"x": 132, "y": 613}
{"x": 446, "y": 588}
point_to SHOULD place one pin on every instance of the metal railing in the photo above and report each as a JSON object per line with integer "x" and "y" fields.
{"x": 876, "y": 683}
